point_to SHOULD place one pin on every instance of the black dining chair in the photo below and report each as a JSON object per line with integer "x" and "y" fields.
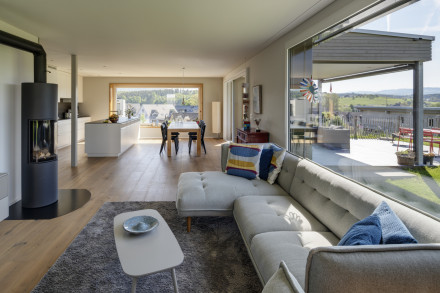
{"x": 193, "y": 136}
{"x": 174, "y": 137}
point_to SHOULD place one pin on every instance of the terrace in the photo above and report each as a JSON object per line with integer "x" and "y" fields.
{"x": 373, "y": 162}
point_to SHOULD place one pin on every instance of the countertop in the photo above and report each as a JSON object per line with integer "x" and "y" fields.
{"x": 62, "y": 119}
{"x": 122, "y": 120}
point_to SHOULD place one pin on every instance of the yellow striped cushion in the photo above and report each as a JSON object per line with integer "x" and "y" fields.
{"x": 244, "y": 160}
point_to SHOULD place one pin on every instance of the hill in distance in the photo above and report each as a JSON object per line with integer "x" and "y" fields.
{"x": 401, "y": 92}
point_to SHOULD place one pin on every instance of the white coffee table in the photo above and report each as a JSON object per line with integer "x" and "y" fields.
{"x": 148, "y": 253}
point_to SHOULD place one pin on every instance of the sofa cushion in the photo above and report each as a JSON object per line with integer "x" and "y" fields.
{"x": 213, "y": 193}
{"x": 244, "y": 160}
{"x": 259, "y": 214}
{"x": 265, "y": 159}
{"x": 365, "y": 232}
{"x": 269, "y": 249}
{"x": 393, "y": 230}
{"x": 282, "y": 282}
{"x": 287, "y": 171}
{"x": 225, "y": 152}
{"x": 276, "y": 163}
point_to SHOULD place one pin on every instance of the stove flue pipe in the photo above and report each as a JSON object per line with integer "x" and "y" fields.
{"x": 28, "y": 46}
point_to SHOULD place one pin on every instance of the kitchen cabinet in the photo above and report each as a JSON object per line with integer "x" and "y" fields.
{"x": 111, "y": 139}
{"x": 51, "y": 75}
{"x": 64, "y": 81}
{"x": 64, "y": 85}
{"x": 80, "y": 89}
{"x": 64, "y": 131}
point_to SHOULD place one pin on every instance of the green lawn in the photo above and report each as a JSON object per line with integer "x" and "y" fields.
{"x": 417, "y": 185}
{"x": 344, "y": 103}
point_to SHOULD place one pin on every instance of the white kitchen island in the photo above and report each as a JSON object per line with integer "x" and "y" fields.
{"x": 110, "y": 139}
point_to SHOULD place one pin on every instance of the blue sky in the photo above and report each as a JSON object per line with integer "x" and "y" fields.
{"x": 423, "y": 18}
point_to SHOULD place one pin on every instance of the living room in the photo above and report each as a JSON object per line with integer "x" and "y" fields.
{"x": 31, "y": 247}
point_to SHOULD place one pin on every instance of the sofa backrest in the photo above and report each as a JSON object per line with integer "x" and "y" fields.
{"x": 288, "y": 170}
{"x": 373, "y": 268}
{"x": 339, "y": 202}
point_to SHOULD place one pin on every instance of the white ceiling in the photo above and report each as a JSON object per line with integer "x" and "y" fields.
{"x": 156, "y": 37}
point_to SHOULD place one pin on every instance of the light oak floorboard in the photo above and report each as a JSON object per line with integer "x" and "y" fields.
{"x": 29, "y": 248}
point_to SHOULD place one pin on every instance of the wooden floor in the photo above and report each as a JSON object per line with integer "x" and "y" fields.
{"x": 29, "y": 248}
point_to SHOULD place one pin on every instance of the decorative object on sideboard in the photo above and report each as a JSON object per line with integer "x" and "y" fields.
{"x": 257, "y": 122}
{"x": 257, "y": 96}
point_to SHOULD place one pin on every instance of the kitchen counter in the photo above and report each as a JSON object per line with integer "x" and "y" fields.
{"x": 111, "y": 139}
{"x": 122, "y": 120}
{"x": 65, "y": 119}
{"x": 64, "y": 131}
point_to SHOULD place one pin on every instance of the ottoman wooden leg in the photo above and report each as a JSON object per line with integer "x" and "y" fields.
{"x": 188, "y": 224}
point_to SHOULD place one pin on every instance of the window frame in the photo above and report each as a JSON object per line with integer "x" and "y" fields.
{"x": 114, "y": 86}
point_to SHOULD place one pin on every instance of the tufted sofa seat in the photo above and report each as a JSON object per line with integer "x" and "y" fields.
{"x": 291, "y": 230}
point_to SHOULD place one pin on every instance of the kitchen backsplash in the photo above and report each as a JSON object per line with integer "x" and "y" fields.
{"x": 64, "y": 107}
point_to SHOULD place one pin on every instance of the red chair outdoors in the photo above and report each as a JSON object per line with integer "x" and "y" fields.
{"x": 405, "y": 133}
{"x": 429, "y": 137}
{"x": 436, "y": 138}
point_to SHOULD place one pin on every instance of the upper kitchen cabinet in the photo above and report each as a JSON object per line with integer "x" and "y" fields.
{"x": 80, "y": 89}
{"x": 64, "y": 85}
{"x": 51, "y": 75}
{"x": 64, "y": 81}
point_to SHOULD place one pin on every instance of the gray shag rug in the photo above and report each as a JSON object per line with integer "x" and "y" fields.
{"x": 215, "y": 260}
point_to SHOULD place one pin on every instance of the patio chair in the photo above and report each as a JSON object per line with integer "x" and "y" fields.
{"x": 405, "y": 133}
{"x": 429, "y": 137}
{"x": 436, "y": 138}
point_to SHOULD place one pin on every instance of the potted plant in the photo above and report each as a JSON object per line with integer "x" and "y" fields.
{"x": 406, "y": 157}
{"x": 129, "y": 111}
{"x": 429, "y": 157}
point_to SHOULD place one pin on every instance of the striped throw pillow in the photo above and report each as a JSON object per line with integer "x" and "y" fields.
{"x": 244, "y": 160}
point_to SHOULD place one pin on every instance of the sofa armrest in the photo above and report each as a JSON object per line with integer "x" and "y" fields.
{"x": 374, "y": 268}
{"x": 282, "y": 281}
{"x": 224, "y": 155}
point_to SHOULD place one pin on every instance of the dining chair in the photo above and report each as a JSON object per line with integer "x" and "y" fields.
{"x": 174, "y": 137}
{"x": 193, "y": 136}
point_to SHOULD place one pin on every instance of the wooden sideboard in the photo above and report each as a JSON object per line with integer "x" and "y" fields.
{"x": 251, "y": 136}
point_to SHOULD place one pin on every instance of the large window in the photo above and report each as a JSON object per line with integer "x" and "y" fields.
{"x": 366, "y": 89}
{"x": 155, "y": 103}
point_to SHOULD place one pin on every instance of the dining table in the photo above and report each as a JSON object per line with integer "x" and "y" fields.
{"x": 186, "y": 126}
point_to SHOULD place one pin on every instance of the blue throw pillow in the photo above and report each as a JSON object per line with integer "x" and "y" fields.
{"x": 393, "y": 230}
{"x": 364, "y": 232}
{"x": 265, "y": 159}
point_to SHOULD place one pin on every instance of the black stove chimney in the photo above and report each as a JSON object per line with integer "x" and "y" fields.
{"x": 39, "y": 109}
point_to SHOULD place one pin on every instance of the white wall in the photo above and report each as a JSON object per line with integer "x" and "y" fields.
{"x": 269, "y": 67}
{"x": 96, "y": 95}
{"x": 15, "y": 67}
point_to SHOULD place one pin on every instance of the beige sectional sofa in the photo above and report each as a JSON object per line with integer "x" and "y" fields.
{"x": 291, "y": 230}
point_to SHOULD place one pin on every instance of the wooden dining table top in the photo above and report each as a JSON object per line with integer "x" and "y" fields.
{"x": 183, "y": 126}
